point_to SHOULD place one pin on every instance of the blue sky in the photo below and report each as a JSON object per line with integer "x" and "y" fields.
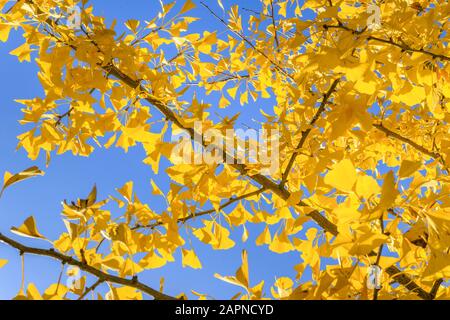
{"x": 70, "y": 177}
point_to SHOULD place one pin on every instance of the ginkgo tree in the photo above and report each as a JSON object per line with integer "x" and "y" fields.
{"x": 362, "y": 114}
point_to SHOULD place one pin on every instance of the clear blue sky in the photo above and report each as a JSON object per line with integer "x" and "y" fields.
{"x": 70, "y": 177}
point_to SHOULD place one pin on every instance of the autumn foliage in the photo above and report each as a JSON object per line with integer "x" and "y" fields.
{"x": 362, "y": 114}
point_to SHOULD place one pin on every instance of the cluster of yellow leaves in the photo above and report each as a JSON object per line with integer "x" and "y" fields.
{"x": 388, "y": 113}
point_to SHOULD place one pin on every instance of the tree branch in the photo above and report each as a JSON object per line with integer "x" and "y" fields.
{"x": 91, "y": 288}
{"x": 407, "y": 282}
{"x": 402, "y": 46}
{"x": 416, "y": 146}
{"x": 202, "y": 213}
{"x": 85, "y": 267}
{"x": 306, "y": 132}
{"x": 435, "y": 288}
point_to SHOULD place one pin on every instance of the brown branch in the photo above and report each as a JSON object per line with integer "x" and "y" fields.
{"x": 91, "y": 288}
{"x": 407, "y": 282}
{"x": 85, "y": 267}
{"x": 408, "y": 48}
{"x": 435, "y": 288}
{"x": 416, "y": 146}
{"x": 402, "y": 46}
{"x": 306, "y": 132}
{"x": 62, "y": 116}
{"x": 203, "y": 213}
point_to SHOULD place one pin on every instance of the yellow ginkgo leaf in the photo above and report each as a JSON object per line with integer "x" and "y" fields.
{"x": 282, "y": 288}
{"x": 22, "y": 52}
{"x": 408, "y": 167}
{"x": 124, "y": 293}
{"x": 281, "y": 243}
{"x": 155, "y": 189}
{"x": 367, "y": 243}
{"x": 3, "y": 262}
{"x": 28, "y": 229}
{"x": 92, "y": 197}
{"x": 201, "y": 296}
{"x": 113, "y": 262}
{"x": 389, "y": 191}
{"x": 4, "y": 32}
{"x": 264, "y": 237}
{"x": 294, "y": 198}
{"x": 232, "y": 92}
{"x": 222, "y": 239}
{"x": 242, "y": 272}
{"x": 241, "y": 279}
{"x": 244, "y": 233}
{"x": 33, "y": 292}
{"x": 190, "y": 259}
{"x": 342, "y": 176}
{"x": 152, "y": 261}
{"x": 366, "y": 186}
{"x": 56, "y": 291}
{"x": 229, "y": 279}
{"x": 132, "y": 24}
{"x": 9, "y": 179}
{"x": 188, "y": 5}
{"x": 127, "y": 191}
{"x": 438, "y": 266}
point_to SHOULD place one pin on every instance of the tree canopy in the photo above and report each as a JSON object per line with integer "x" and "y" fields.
{"x": 359, "y": 98}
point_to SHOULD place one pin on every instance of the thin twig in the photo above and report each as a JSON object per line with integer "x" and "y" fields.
{"x": 274, "y": 25}
{"x": 306, "y": 132}
{"x": 91, "y": 288}
{"x": 416, "y": 146}
{"x": 402, "y": 46}
{"x": 435, "y": 288}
